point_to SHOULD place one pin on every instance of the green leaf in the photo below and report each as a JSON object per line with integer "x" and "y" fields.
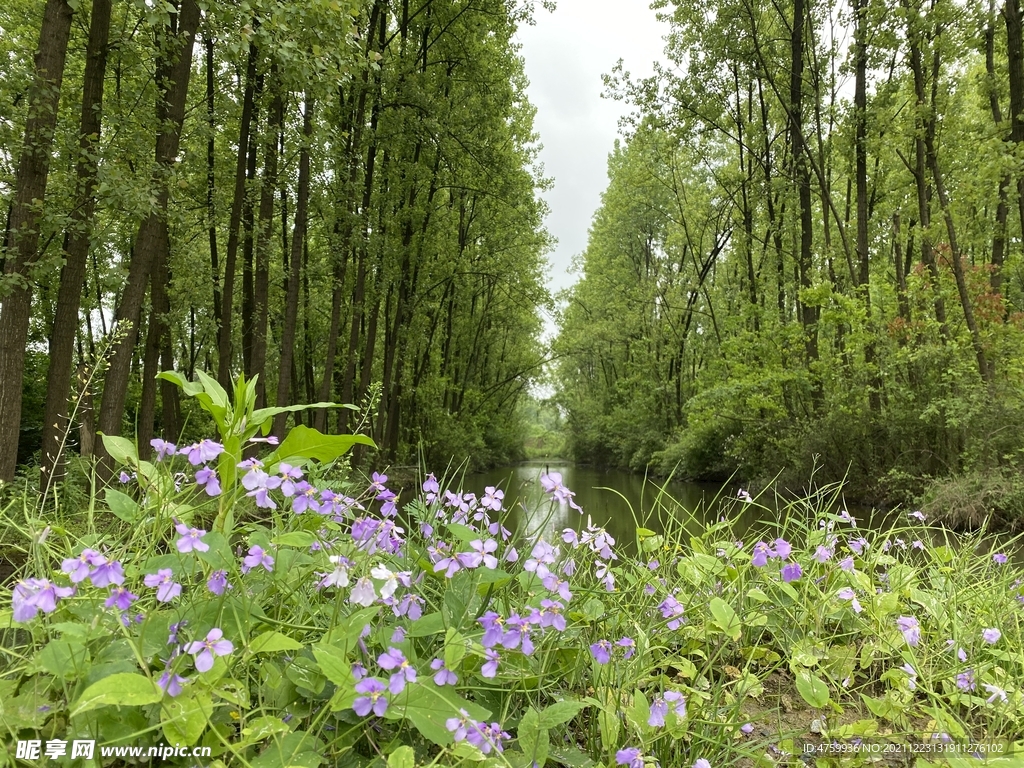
{"x": 305, "y": 443}
{"x": 123, "y": 505}
{"x": 334, "y": 665}
{"x": 214, "y": 390}
{"x": 301, "y": 539}
{"x": 560, "y": 712}
{"x": 264, "y": 415}
{"x": 184, "y": 718}
{"x": 263, "y": 728}
{"x": 272, "y": 642}
{"x": 726, "y": 618}
{"x": 431, "y": 624}
{"x": 64, "y": 659}
{"x": 403, "y": 757}
{"x": 125, "y": 689}
{"x": 121, "y": 449}
{"x": 813, "y": 689}
{"x": 533, "y": 737}
{"x": 427, "y": 707}
{"x": 454, "y": 648}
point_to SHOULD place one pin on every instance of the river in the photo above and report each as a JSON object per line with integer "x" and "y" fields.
{"x": 618, "y": 502}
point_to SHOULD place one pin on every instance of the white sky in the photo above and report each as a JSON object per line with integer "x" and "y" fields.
{"x": 566, "y": 53}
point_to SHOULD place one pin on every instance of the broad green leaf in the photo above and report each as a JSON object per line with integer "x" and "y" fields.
{"x": 533, "y": 737}
{"x": 430, "y": 624}
{"x": 334, "y": 666}
{"x": 403, "y": 757}
{"x": 64, "y": 659}
{"x": 726, "y": 618}
{"x": 122, "y": 505}
{"x": 428, "y": 706}
{"x": 454, "y": 648}
{"x": 301, "y": 539}
{"x": 560, "y": 712}
{"x": 812, "y": 688}
{"x": 305, "y": 443}
{"x": 264, "y": 415}
{"x": 272, "y": 642}
{"x": 262, "y": 728}
{"x": 121, "y": 449}
{"x": 125, "y": 689}
{"x": 184, "y": 718}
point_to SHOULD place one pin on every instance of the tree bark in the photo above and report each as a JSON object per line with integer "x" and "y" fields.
{"x": 22, "y": 240}
{"x": 173, "y": 71}
{"x": 76, "y": 250}
{"x": 284, "y": 380}
{"x": 224, "y": 352}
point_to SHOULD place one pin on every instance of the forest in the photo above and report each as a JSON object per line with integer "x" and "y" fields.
{"x": 809, "y": 257}
{"x": 336, "y": 198}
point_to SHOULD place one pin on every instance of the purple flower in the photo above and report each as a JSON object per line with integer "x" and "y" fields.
{"x": 660, "y": 708}
{"x": 701, "y": 763}
{"x": 492, "y": 498}
{"x": 991, "y": 635}
{"x": 552, "y": 484}
{"x": 858, "y": 545}
{"x": 459, "y": 726}
{"x": 257, "y": 557}
{"x": 999, "y": 558}
{"x": 203, "y": 452}
{"x": 305, "y": 498}
{"x": 171, "y": 683}
{"x": 918, "y": 515}
{"x": 163, "y": 448}
{"x": 166, "y": 588}
{"x": 965, "y": 680}
{"x": 631, "y": 757}
{"x": 107, "y": 574}
{"x": 671, "y": 609}
{"x": 444, "y": 675}
{"x": 205, "y": 650}
{"x": 208, "y": 477}
{"x": 258, "y": 484}
{"x": 120, "y": 598}
{"x": 846, "y": 593}
{"x": 910, "y": 628}
{"x": 78, "y": 568}
{"x": 601, "y": 651}
{"x": 490, "y": 667}
{"x": 551, "y": 615}
{"x": 761, "y": 554}
{"x": 791, "y": 572}
{"x": 911, "y": 676}
{"x": 373, "y": 698}
{"x": 748, "y": 728}
{"x": 190, "y": 539}
{"x": 783, "y": 549}
{"x": 629, "y": 646}
{"x": 124, "y": 478}
{"x": 822, "y": 554}
{"x": 394, "y": 659}
{"x": 518, "y": 634}
{"x": 218, "y": 582}
{"x": 485, "y": 737}
{"x": 363, "y": 593}
{"x": 430, "y": 488}
{"x": 846, "y": 563}
{"x": 33, "y": 595}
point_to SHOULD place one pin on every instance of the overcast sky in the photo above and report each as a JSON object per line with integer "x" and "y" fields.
{"x": 566, "y": 53}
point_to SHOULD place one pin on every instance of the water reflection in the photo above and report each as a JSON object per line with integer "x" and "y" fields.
{"x": 615, "y": 501}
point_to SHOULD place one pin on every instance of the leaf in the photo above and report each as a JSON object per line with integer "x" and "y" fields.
{"x": 813, "y": 689}
{"x": 726, "y": 618}
{"x": 430, "y": 624}
{"x": 560, "y": 712}
{"x": 533, "y": 737}
{"x": 427, "y": 707}
{"x": 262, "y": 728}
{"x": 403, "y": 757}
{"x": 306, "y": 443}
{"x": 123, "y": 505}
{"x": 334, "y": 666}
{"x": 125, "y": 689}
{"x": 184, "y": 718}
{"x": 301, "y": 539}
{"x": 454, "y": 648}
{"x": 214, "y": 390}
{"x": 571, "y": 757}
{"x": 263, "y": 415}
{"x": 272, "y": 642}
{"x": 121, "y": 449}
{"x": 64, "y": 659}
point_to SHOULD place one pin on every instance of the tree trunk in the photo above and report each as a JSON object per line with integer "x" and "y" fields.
{"x": 211, "y": 187}
{"x": 1015, "y": 62}
{"x": 173, "y": 71}
{"x": 72, "y": 277}
{"x": 264, "y": 233}
{"x": 22, "y": 239}
{"x": 284, "y": 380}
{"x": 224, "y": 353}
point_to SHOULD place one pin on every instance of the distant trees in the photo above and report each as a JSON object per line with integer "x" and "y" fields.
{"x": 808, "y": 227}
{"x": 326, "y": 195}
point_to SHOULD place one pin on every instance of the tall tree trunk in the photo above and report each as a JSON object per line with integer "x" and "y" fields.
{"x": 860, "y": 105}
{"x": 264, "y": 235}
{"x": 1015, "y": 61}
{"x": 22, "y": 239}
{"x": 76, "y": 251}
{"x": 920, "y": 171}
{"x": 211, "y": 186}
{"x": 956, "y": 258}
{"x": 284, "y": 379}
{"x": 173, "y": 71}
{"x": 248, "y": 242}
{"x": 1002, "y": 206}
{"x": 224, "y": 352}
{"x": 808, "y": 314}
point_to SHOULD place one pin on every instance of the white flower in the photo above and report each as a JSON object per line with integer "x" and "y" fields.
{"x": 339, "y": 576}
{"x": 997, "y": 693}
{"x": 390, "y": 581}
{"x": 363, "y": 593}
